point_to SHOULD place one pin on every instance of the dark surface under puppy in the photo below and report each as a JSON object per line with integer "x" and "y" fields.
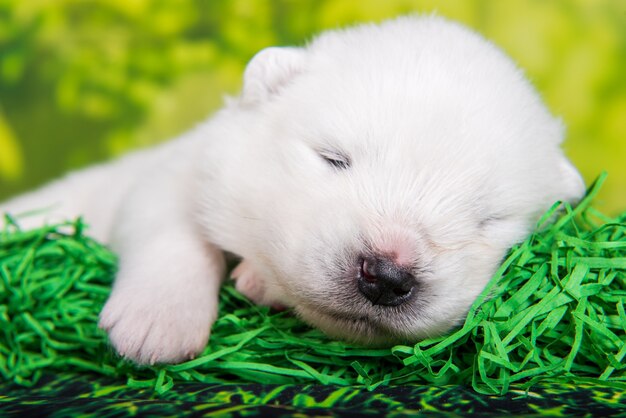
{"x": 84, "y": 394}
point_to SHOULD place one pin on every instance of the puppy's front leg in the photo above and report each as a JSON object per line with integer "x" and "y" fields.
{"x": 164, "y": 299}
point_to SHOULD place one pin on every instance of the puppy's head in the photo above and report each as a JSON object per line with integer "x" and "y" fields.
{"x": 376, "y": 178}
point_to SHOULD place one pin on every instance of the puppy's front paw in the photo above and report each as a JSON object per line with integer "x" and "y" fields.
{"x": 151, "y": 327}
{"x": 248, "y": 282}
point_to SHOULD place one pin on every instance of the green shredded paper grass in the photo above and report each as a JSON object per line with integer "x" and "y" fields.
{"x": 554, "y": 312}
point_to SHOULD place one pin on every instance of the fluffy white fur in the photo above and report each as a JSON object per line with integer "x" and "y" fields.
{"x": 449, "y": 158}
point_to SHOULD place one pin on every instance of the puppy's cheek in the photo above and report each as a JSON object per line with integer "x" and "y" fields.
{"x": 456, "y": 282}
{"x": 499, "y": 235}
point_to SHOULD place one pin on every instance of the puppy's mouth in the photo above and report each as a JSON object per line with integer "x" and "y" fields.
{"x": 366, "y": 299}
{"x": 351, "y": 327}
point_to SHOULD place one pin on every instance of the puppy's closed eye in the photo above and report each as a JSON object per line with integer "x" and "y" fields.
{"x": 336, "y": 159}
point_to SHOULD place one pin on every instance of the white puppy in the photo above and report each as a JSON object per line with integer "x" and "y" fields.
{"x": 372, "y": 180}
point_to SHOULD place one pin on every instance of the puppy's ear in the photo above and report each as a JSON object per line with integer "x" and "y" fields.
{"x": 269, "y": 71}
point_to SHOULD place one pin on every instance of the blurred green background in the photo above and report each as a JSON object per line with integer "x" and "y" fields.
{"x": 85, "y": 80}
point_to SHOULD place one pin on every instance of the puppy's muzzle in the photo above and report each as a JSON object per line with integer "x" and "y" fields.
{"x": 383, "y": 282}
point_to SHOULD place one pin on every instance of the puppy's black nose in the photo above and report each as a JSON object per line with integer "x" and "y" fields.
{"x": 383, "y": 282}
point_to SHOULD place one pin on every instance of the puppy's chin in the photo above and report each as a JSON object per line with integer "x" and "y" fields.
{"x": 359, "y": 330}
{"x": 363, "y": 329}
